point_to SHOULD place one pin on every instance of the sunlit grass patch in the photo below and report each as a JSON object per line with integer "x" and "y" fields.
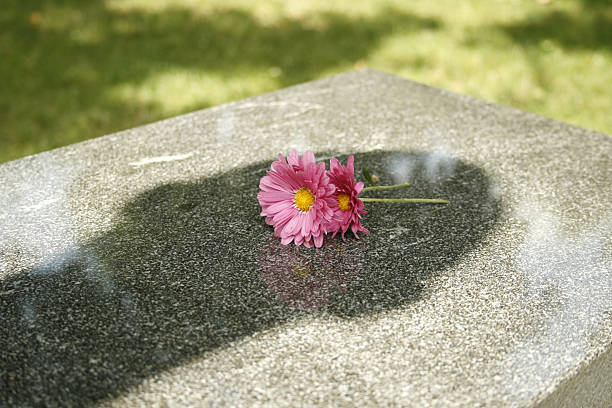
{"x": 73, "y": 70}
{"x": 179, "y": 90}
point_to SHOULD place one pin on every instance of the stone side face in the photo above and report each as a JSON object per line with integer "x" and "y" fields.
{"x": 135, "y": 269}
{"x": 589, "y": 386}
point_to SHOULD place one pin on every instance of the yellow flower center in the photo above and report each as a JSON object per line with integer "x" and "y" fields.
{"x": 343, "y": 201}
{"x": 304, "y": 199}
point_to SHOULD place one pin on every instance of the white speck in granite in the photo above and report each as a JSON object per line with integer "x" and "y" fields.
{"x": 161, "y": 159}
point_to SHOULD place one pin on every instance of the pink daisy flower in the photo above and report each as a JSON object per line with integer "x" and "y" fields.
{"x": 296, "y": 199}
{"x": 347, "y": 207}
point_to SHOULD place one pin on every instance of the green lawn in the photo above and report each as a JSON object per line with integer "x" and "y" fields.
{"x": 77, "y": 69}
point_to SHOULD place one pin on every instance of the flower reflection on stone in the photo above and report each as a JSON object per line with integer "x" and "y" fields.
{"x": 309, "y": 280}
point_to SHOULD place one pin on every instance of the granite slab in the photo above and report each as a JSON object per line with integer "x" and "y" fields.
{"x": 135, "y": 269}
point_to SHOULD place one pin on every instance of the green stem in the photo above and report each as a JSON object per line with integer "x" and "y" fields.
{"x": 405, "y": 200}
{"x": 385, "y": 187}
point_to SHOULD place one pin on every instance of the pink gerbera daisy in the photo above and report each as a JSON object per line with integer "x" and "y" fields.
{"x": 347, "y": 207}
{"x": 296, "y": 199}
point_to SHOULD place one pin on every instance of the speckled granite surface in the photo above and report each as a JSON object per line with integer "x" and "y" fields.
{"x": 135, "y": 271}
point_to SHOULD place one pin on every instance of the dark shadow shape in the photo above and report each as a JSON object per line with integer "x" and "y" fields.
{"x": 600, "y": 4}
{"x": 181, "y": 274}
{"x": 589, "y": 29}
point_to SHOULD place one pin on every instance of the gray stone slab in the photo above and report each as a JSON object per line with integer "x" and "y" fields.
{"x": 135, "y": 270}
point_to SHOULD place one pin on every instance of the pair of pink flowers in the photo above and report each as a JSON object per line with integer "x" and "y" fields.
{"x": 303, "y": 201}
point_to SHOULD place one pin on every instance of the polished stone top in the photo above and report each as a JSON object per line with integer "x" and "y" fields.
{"x": 135, "y": 269}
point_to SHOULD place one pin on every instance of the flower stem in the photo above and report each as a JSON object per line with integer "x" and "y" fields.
{"x": 405, "y": 200}
{"x": 385, "y": 187}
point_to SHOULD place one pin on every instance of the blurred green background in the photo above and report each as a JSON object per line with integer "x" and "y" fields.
{"x": 76, "y": 69}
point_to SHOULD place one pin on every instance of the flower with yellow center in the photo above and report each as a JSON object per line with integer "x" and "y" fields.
{"x": 350, "y": 207}
{"x": 297, "y": 198}
{"x": 344, "y": 201}
{"x": 304, "y": 199}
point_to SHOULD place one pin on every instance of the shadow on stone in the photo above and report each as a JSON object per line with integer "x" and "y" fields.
{"x": 192, "y": 267}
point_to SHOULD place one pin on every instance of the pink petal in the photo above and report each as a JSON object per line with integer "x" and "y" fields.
{"x": 318, "y": 241}
{"x": 307, "y": 224}
{"x": 268, "y": 183}
{"x": 285, "y": 215}
{"x": 349, "y": 165}
{"x": 309, "y": 158}
{"x": 275, "y": 196}
{"x": 292, "y": 227}
{"x": 334, "y": 165}
{"x": 278, "y": 207}
{"x": 293, "y": 158}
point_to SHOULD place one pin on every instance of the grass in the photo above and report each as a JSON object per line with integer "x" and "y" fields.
{"x": 77, "y": 69}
